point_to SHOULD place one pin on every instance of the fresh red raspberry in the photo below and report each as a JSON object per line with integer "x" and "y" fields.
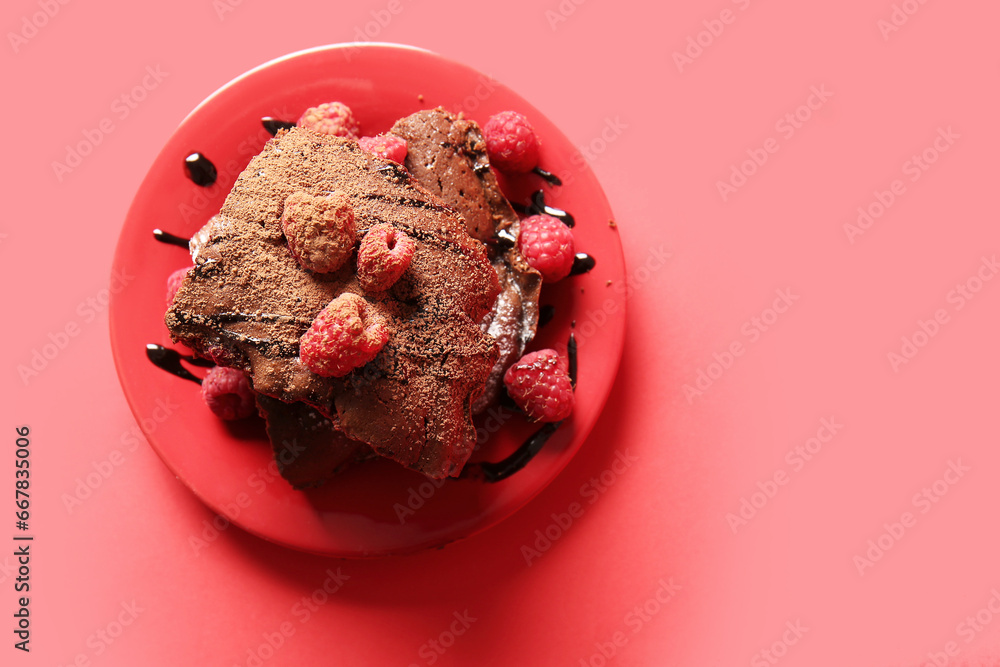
{"x": 227, "y": 392}
{"x": 174, "y": 281}
{"x": 511, "y": 142}
{"x": 320, "y": 230}
{"x": 383, "y": 257}
{"x": 333, "y": 118}
{"x": 388, "y": 146}
{"x": 539, "y": 383}
{"x": 218, "y": 354}
{"x": 547, "y": 245}
{"x": 348, "y": 333}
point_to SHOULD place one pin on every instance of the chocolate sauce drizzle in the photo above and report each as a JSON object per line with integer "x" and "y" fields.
{"x": 582, "y": 263}
{"x": 545, "y": 314}
{"x": 539, "y": 207}
{"x": 494, "y": 472}
{"x": 269, "y": 348}
{"x": 506, "y": 239}
{"x": 272, "y": 125}
{"x": 171, "y": 239}
{"x": 571, "y": 357}
{"x": 548, "y": 176}
{"x": 406, "y": 201}
{"x": 395, "y": 173}
{"x": 200, "y": 169}
{"x": 170, "y": 361}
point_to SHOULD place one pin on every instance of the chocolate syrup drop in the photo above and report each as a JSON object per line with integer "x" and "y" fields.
{"x": 170, "y": 361}
{"x": 571, "y": 357}
{"x": 545, "y": 314}
{"x": 200, "y": 169}
{"x": 272, "y": 125}
{"x": 582, "y": 263}
{"x": 539, "y": 207}
{"x": 494, "y": 472}
{"x": 171, "y": 239}
{"x": 548, "y": 176}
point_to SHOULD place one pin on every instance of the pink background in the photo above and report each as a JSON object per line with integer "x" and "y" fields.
{"x": 661, "y": 136}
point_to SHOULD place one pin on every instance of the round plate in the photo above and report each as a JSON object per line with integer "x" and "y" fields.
{"x": 375, "y": 508}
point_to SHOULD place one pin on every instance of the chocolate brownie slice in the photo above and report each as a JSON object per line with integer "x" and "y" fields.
{"x": 447, "y": 155}
{"x": 248, "y": 296}
{"x": 307, "y": 448}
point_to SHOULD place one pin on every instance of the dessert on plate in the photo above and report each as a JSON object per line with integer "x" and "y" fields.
{"x": 376, "y": 291}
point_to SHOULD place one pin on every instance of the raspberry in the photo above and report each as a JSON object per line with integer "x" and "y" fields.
{"x": 384, "y": 256}
{"x": 547, "y": 245}
{"x": 511, "y": 142}
{"x": 320, "y": 230}
{"x": 346, "y": 334}
{"x": 227, "y": 392}
{"x": 539, "y": 383}
{"x": 218, "y": 354}
{"x": 174, "y": 281}
{"x": 388, "y": 146}
{"x": 333, "y": 118}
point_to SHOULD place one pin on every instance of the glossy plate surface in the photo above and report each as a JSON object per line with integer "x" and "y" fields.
{"x": 376, "y": 508}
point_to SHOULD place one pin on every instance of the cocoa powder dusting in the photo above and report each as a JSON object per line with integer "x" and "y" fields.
{"x": 248, "y": 296}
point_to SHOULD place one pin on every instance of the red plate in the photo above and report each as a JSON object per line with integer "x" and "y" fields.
{"x": 377, "y": 508}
